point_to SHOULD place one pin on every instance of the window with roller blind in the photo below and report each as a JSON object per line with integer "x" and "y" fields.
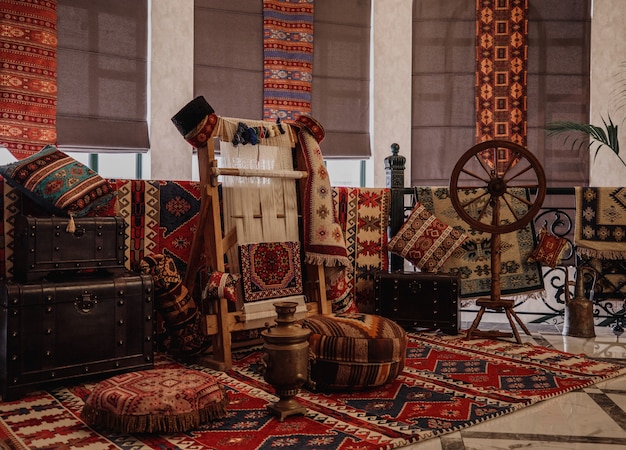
{"x": 228, "y": 70}
{"x": 443, "y": 80}
{"x": 102, "y": 81}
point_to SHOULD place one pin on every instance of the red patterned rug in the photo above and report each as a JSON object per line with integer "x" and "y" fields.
{"x": 284, "y": 277}
{"x": 448, "y": 384}
{"x": 501, "y": 66}
{"x": 287, "y": 58}
{"x": 28, "y": 92}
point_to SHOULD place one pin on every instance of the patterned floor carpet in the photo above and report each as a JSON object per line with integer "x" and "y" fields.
{"x": 449, "y": 384}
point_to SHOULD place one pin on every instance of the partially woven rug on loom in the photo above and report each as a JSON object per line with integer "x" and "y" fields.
{"x": 448, "y": 384}
{"x": 601, "y": 222}
{"x": 472, "y": 260}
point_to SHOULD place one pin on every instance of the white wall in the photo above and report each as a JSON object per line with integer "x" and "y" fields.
{"x": 171, "y": 87}
{"x": 608, "y": 51}
{"x": 391, "y": 85}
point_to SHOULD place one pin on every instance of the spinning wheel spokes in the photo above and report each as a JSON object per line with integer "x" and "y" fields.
{"x": 477, "y": 197}
{"x": 497, "y": 203}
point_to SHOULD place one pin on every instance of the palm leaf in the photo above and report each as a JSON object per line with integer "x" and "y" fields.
{"x": 602, "y": 136}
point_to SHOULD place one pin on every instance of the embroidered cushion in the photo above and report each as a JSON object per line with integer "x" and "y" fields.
{"x": 58, "y": 182}
{"x": 221, "y": 285}
{"x": 156, "y": 400}
{"x": 354, "y": 351}
{"x": 549, "y": 250}
{"x": 180, "y": 313}
{"x": 426, "y": 241}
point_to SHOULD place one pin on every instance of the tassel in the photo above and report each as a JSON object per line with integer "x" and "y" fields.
{"x": 71, "y": 226}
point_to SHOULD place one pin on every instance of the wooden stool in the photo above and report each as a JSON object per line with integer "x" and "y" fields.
{"x": 500, "y": 305}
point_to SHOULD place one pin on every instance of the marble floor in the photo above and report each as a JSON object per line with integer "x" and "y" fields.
{"x": 593, "y": 418}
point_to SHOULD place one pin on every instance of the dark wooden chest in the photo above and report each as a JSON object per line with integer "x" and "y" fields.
{"x": 51, "y": 331}
{"x": 419, "y": 300}
{"x": 44, "y": 247}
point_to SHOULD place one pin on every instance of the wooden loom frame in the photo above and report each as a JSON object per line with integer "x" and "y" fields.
{"x": 210, "y": 241}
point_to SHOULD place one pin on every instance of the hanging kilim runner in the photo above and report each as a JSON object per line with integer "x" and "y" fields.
{"x": 501, "y": 65}
{"x": 28, "y": 86}
{"x": 288, "y": 58}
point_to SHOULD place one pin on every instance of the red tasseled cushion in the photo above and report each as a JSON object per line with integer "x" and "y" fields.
{"x": 156, "y": 400}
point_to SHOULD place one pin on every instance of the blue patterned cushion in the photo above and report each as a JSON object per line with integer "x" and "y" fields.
{"x": 58, "y": 182}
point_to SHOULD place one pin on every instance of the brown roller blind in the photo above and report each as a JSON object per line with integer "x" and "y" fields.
{"x": 443, "y": 110}
{"x": 559, "y": 34}
{"x": 341, "y": 76}
{"x": 102, "y": 75}
{"x": 443, "y": 117}
{"x": 228, "y": 56}
{"x": 228, "y": 67}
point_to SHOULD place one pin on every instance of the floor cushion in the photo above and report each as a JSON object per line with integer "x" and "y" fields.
{"x": 354, "y": 351}
{"x": 155, "y": 400}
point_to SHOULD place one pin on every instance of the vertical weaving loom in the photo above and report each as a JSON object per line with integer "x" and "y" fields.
{"x": 259, "y": 216}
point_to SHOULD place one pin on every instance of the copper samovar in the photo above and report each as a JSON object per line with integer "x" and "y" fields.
{"x": 286, "y": 359}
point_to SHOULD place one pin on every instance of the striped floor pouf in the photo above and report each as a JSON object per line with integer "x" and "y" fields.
{"x": 354, "y": 351}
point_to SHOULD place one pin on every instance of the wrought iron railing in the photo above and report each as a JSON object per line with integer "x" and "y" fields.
{"x": 607, "y": 290}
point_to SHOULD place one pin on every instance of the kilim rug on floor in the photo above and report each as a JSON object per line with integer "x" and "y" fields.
{"x": 448, "y": 384}
{"x": 472, "y": 260}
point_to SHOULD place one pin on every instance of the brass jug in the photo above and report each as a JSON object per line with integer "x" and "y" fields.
{"x": 579, "y": 310}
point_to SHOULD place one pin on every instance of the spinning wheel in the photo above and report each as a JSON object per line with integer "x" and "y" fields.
{"x": 485, "y": 184}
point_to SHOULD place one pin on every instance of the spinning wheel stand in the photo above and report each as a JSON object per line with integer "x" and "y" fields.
{"x": 495, "y": 168}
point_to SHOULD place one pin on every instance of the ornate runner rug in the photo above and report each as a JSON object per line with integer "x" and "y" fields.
{"x": 472, "y": 260}
{"x": 501, "y": 65}
{"x": 601, "y": 222}
{"x": 363, "y": 215}
{"x": 448, "y": 384}
{"x": 28, "y": 92}
{"x": 288, "y": 58}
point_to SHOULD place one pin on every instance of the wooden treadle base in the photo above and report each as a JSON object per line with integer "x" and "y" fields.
{"x": 499, "y": 305}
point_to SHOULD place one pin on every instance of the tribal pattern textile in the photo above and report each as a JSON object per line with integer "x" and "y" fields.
{"x": 28, "y": 92}
{"x": 472, "y": 260}
{"x": 501, "y": 66}
{"x": 160, "y": 216}
{"x": 363, "y": 215}
{"x": 601, "y": 222}
{"x": 448, "y": 384}
{"x": 270, "y": 270}
{"x": 287, "y": 58}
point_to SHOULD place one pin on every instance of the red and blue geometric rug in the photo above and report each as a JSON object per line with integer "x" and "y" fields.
{"x": 448, "y": 384}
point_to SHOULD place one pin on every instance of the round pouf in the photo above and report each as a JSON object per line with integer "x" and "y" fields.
{"x": 155, "y": 400}
{"x": 354, "y": 351}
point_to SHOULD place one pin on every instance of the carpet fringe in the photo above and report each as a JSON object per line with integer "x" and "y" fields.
{"x": 154, "y": 423}
{"x": 600, "y": 254}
